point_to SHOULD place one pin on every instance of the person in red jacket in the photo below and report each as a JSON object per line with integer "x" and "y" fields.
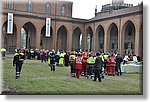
{"x": 112, "y": 64}
{"x": 85, "y": 64}
{"x": 78, "y": 65}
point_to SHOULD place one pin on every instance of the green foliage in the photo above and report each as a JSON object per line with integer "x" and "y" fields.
{"x": 36, "y": 78}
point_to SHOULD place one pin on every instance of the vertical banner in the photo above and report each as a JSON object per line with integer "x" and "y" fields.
{"x": 10, "y": 23}
{"x": 48, "y": 27}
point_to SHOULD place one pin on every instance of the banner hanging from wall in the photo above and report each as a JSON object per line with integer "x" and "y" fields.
{"x": 48, "y": 27}
{"x": 10, "y": 23}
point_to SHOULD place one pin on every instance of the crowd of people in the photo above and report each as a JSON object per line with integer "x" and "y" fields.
{"x": 88, "y": 64}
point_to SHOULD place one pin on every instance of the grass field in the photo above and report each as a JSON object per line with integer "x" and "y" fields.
{"x": 36, "y": 78}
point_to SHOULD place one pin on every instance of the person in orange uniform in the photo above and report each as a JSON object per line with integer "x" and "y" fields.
{"x": 78, "y": 64}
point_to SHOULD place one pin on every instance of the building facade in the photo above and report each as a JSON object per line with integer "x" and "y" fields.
{"x": 117, "y": 30}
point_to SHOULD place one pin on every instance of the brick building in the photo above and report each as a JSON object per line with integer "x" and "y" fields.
{"x": 118, "y": 30}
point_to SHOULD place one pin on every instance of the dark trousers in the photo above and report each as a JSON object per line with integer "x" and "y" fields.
{"x": 97, "y": 75}
{"x": 124, "y": 62}
{"x": 91, "y": 69}
{"x": 52, "y": 67}
{"x": 43, "y": 59}
{"x": 85, "y": 69}
{"x": 119, "y": 69}
{"x": 72, "y": 68}
{"x": 66, "y": 63}
{"x": 3, "y": 55}
{"x": 18, "y": 69}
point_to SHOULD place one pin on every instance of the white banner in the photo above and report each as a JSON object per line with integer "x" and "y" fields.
{"x": 48, "y": 27}
{"x": 10, "y": 23}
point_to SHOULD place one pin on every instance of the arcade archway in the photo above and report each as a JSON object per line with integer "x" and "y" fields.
{"x": 113, "y": 33}
{"x": 46, "y": 42}
{"x": 129, "y": 37}
{"x": 141, "y": 41}
{"x": 62, "y": 38}
{"x": 100, "y": 38}
{"x": 30, "y": 35}
{"x": 89, "y": 38}
{"x": 77, "y": 39}
{"x": 9, "y": 40}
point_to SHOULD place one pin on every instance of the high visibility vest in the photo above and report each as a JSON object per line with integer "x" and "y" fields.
{"x": 32, "y": 51}
{"x": 64, "y": 53}
{"x": 61, "y": 55}
{"x": 16, "y": 54}
{"x": 102, "y": 57}
{"x": 48, "y": 61}
{"x": 72, "y": 57}
{"x": 105, "y": 57}
{"x": 91, "y": 60}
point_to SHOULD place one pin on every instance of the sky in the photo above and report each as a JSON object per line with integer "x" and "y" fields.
{"x": 86, "y": 8}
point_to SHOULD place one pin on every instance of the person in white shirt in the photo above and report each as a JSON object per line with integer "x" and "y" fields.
{"x": 135, "y": 59}
{"x": 126, "y": 59}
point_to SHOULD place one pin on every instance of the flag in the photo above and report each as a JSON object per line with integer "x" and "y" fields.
{"x": 10, "y": 23}
{"x": 48, "y": 27}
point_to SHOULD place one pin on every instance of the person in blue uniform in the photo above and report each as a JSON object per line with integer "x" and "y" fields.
{"x": 18, "y": 62}
{"x": 52, "y": 57}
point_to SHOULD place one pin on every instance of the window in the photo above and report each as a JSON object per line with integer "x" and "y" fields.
{"x": 130, "y": 45}
{"x": 125, "y": 45}
{"x": 47, "y": 9}
{"x": 63, "y": 10}
{"x": 30, "y": 6}
{"x": 101, "y": 45}
{"x": 113, "y": 46}
{"x": 9, "y": 4}
{"x": 130, "y": 31}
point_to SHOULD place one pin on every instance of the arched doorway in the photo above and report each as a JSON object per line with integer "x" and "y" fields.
{"x": 62, "y": 38}
{"x": 100, "y": 38}
{"x": 77, "y": 40}
{"x": 113, "y": 33}
{"x": 129, "y": 37}
{"x": 23, "y": 38}
{"x": 29, "y": 35}
{"x": 46, "y": 42}
{"x": 9, "y": 40}
{"x": 89, "y": 39}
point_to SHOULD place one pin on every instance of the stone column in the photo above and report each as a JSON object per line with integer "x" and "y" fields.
{"x": 94, "y": 41}
{"x": 137, "y": 43}
{"x": 55, "y": 36}
{"x": 141, "y": 41}
{"x": 120, "y": 38}
{"x": 121, "y": 43}
{"x": 83, "y": 40}
{"x": 18, "y": 37}
{"x": 96, "y": 47}
{"x": 106, "y": 41}
{"x": 84, "y": 37}
{"x": 69, "y": 38}
{"x": 38, "y": 33}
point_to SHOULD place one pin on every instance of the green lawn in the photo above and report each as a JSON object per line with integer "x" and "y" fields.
{"x": 36, "y": 78}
